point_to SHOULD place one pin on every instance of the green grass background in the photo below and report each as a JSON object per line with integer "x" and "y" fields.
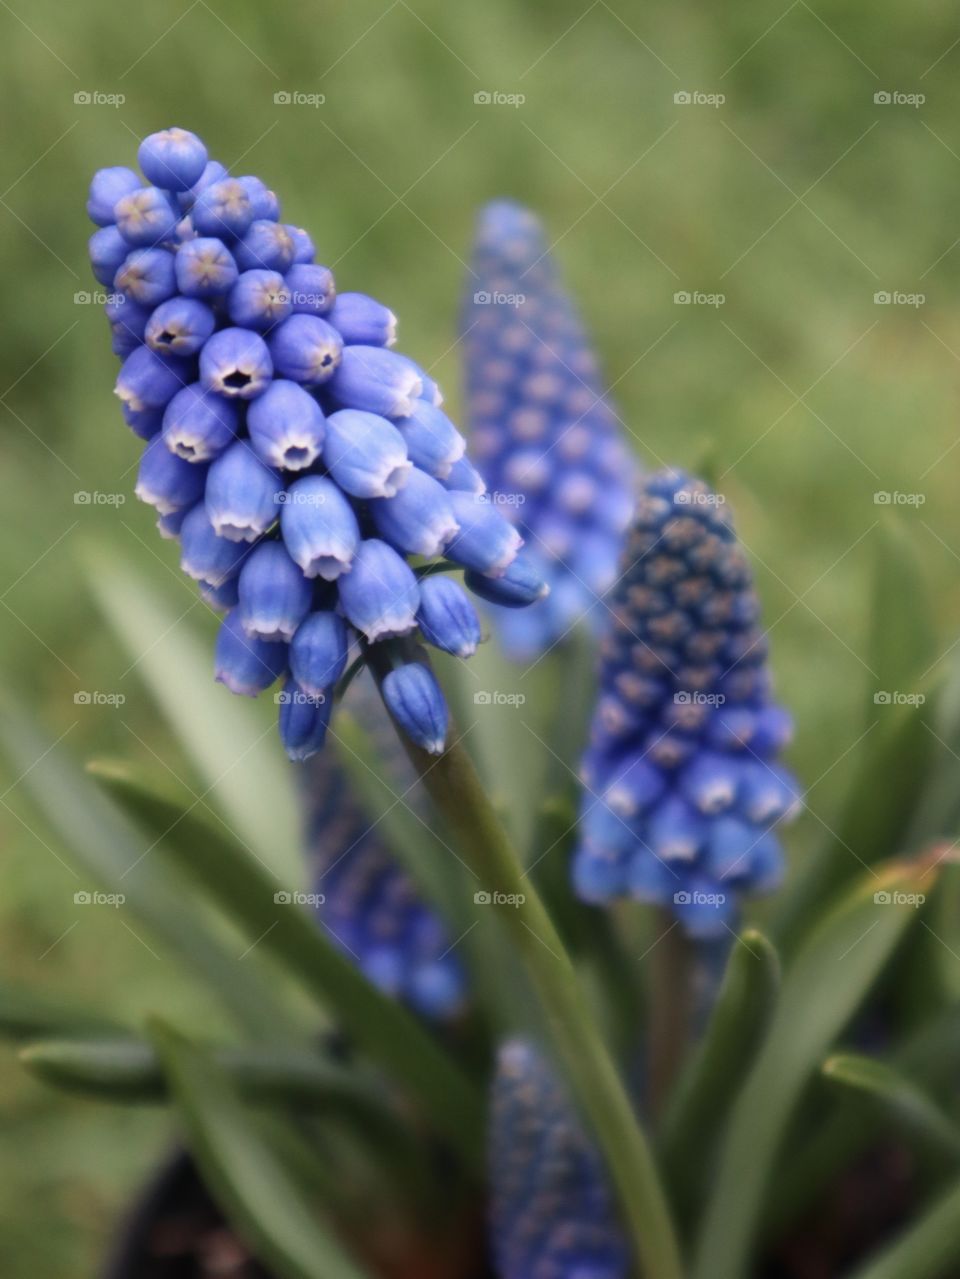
{"x": 798, "y": 199}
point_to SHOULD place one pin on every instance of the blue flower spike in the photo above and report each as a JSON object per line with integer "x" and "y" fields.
{"x": 683, "y": 785}
{"x": 552, "y": 1212}
{"x": 299, "y": 460}
{"x": 545, "y": 437}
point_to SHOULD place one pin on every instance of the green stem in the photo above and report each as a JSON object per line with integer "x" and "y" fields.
{"x": 455, "y": 789}
{"x": 670, "y": 1008}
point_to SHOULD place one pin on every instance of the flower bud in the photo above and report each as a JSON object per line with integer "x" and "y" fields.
{"x": 433, "y": 442}
{"x": 259, "y": 300}
{"x": 416, "y": 702}
{"x": 180, "y": 326}
{"x": 286, "y": 426}
{"x": 486, "y": 541}
{"x": 223, "y": 209}
{"x": 242, "y": 496}
{"x": 319, "y": 527}
{"x": 150, "y": 381}
{"x": 522, "y": 583}
{"x": 205, "y": 268}
{"x": 198, "y": 425}
{"x": 274, "y": 595}
{"x": 361, "y": 319}
{"x": 447, "y": 618}
{"x": 379, "y": 595}
{"x": 147, "y": 277}
{"x": 166, "y": 482}
{"x": 312, "y": 289}
{"x": 318, "y": 651}
{"x": 376, "y": 381}
{"x": 265, "y": 245}
{"x": 418, "y": 520}
{"x": 247, "y": 666}
{"x": 173, "y": 159}
{"x": 109, "y": 186}
{"x": 204, "y": 555}
{"x": 146, "y": 217}
{"x": 305, "y": 349}
{"x": 236, "y": 363}
{"x": 263, "y": 201}
{"x": 108, "y": 252}
{"x": 304, "y": 720}
{"x": 365, "y": 454}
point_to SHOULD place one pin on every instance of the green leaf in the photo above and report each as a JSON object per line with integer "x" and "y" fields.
{"x": 25, "y": 1014}
{"x": 128, "y": 1070}
{"x": 119, "y": 857}
{"x": 930, "y": 1249}
{"x": 881, "y": 801}
{"x": 698, "y": 1104}
{"x": 897, "y": 1096}
{"x": 902, "y": 630}
{"x": 255, "y": 1186}
{"x": 828, "y": 980}
{"x": 259, "y": 904}
{"x": 227, "y": 738}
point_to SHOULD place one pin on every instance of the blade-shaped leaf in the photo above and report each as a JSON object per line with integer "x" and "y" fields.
{"x": 255, "y": 900}
{"x": 700, "y": 1101}
{"x": 255, "y": 1186}
{"x": 115, "y": 853}
{"x": 902, "y": 630}
{"x": 828, "y": 980}
{"x": 930, "y": 1249}
{"x": 25, "y": 1014}
{"x": 899, "y": 1097}
{"x": 229, "y": 739}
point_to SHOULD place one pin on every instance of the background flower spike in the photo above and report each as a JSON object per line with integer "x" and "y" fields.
{"x": 542, "y": 431}
{"x": 682, "y": 785}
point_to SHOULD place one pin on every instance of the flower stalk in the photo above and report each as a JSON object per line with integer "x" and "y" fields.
{"x": 455, "y": 789}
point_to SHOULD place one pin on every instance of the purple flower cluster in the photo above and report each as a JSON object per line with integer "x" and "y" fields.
{"x": 683, "y": 787}
{"x": 552, "y": 1213}
{"x": 542, "y": 432}
{"x": 299, "y": 460}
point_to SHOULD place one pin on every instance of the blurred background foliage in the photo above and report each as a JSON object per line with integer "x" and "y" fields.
{"x": 798, "y": 198}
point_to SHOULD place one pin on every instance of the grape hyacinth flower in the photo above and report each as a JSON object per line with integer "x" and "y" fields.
{"x": 683, "y": 785}
{"x": 366, "y": 901}
{"x": 552, "y": 1212}
{"x": 545, "y": 438}
{"x": 298, "y": 459}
